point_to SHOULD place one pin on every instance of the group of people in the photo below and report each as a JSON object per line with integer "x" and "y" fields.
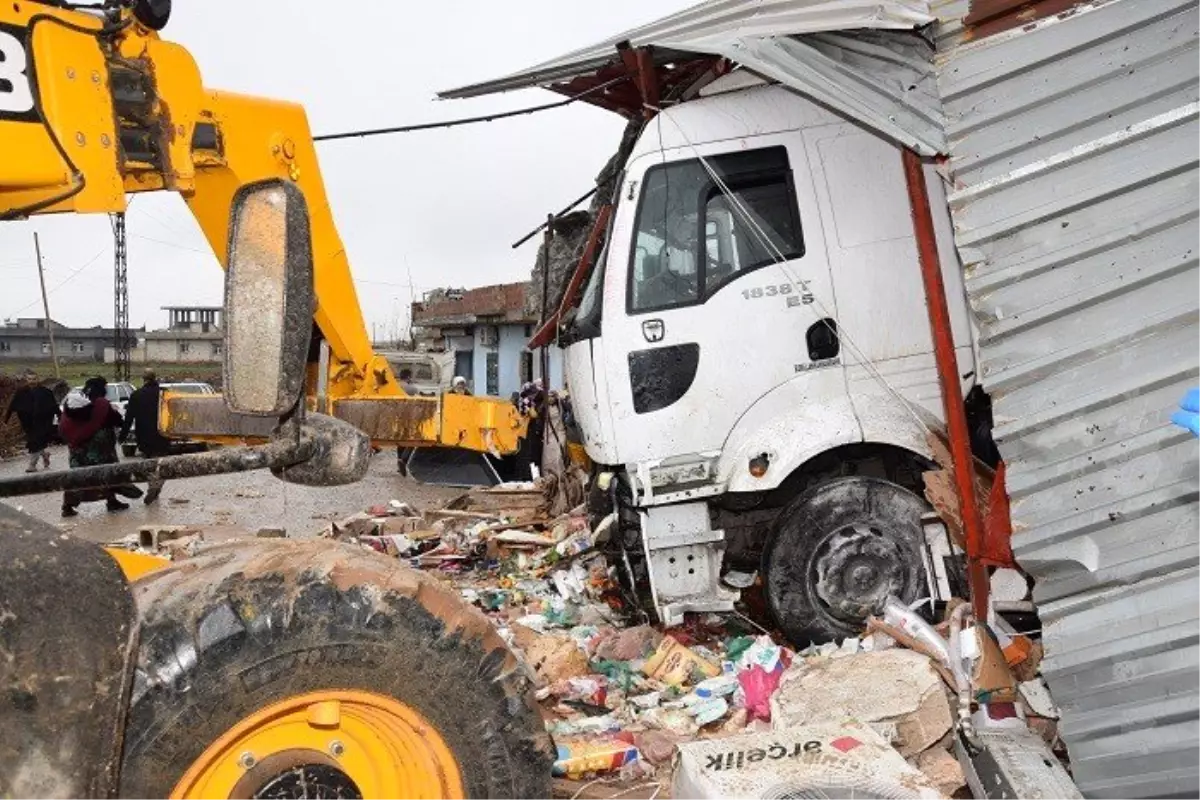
{"x": 91, "y": 428}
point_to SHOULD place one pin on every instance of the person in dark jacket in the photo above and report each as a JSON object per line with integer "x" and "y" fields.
{"x": 89, "y": 426}
{"x": 141, "y": 416}
{"x": 37, "y": 411}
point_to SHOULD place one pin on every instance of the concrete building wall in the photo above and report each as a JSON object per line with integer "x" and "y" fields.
{"x": 66, "y": 347}
{"x": 182, "y": 350}
{"x": 504, "y": 356}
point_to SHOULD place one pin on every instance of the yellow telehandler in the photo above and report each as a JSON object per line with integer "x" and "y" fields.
{"x": 266, "y": 668}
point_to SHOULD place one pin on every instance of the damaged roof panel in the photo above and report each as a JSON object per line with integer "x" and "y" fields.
{"x": 712, "y": 24}
{"x": 874, "y": 69}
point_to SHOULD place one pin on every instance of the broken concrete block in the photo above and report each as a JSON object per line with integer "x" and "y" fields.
{"x": 151, "y": 537}
{"x": 942, "y": 769}
{"x": 183, "y": 547}
{"x": 895, "y": 687}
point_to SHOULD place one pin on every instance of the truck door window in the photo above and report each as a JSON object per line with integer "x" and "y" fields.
{"x": 695, "y": 233}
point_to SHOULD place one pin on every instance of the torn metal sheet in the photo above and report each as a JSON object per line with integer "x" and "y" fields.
{"x": 1073, "y": 155}
{"x": 876, "y": 70}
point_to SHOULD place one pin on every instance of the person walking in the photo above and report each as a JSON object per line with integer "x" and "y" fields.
{"x": 37, "y": 411}
{"x": 141, "y": 416}
{"x": 89, "y": 425}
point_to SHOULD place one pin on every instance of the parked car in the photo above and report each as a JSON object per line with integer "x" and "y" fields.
{"x": 431, "y": 372}
{"x": 118, "y": 394}
{"x": 188, "y": 387}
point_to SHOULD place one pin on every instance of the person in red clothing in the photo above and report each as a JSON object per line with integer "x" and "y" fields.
{"x": 89, "y": 426}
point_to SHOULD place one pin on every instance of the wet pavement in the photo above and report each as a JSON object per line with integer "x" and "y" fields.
{"x": 233, "y": 505}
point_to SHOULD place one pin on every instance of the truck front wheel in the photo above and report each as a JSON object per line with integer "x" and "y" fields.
{"x": 313, "y": 669}
{"x": 838, "y": 551}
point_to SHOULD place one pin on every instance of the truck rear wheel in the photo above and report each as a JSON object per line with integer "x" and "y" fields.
{"x": 838, "y": 551}
{"x": 313, "y": 669}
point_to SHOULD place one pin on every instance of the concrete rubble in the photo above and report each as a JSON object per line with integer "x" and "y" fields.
{"x": 625, "y": 701}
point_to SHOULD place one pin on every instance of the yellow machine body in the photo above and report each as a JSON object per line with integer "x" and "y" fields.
{"x": 93, "y": 111}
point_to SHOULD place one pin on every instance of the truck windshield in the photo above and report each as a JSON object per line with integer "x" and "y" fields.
{"x": 695, "y": 233}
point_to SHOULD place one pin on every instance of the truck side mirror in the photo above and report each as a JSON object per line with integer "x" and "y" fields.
{"x": 269, "y": 299}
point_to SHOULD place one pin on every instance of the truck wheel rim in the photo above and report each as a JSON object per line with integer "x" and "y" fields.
{"x": 326, "y": 744}
{"x": 855, "y": 569}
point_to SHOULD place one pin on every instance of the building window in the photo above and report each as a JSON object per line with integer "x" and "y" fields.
{"x": 692, "y": 238}
{"x": 5, "y": 347}
{"x": 493, "y": 374}
{"x": 216, "y": 349}
{"x": 45, "y": 348}
{"x": 185, "y": 347}
{"x": 528, "y": 331}
{"x": 76, "y": 347}
{"x": 526, "y": 367}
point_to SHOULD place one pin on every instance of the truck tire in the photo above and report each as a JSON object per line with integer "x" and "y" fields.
{"x": 316, "y": 669}
{"x": 838, "y": 550}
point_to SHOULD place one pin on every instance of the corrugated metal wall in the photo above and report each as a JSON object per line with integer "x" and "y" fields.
{"x": 1074, "y": 144}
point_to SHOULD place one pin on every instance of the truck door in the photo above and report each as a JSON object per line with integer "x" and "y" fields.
{"x": 717, "y": 291}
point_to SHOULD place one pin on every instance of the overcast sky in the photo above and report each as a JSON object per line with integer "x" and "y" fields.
{"x": 443, "y": 206}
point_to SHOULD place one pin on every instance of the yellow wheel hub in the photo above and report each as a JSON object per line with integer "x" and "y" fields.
{"x": 354, "y": 742}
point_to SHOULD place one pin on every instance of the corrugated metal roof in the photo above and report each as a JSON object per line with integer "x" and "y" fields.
{"x": 715, "y": 21}
{"x": 875, "y": 71}
{"x": 1074, "y": 148}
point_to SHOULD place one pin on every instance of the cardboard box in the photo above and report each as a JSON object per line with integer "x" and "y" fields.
{"x": 842, "y": 760}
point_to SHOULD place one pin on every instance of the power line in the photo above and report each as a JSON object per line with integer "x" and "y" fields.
{"x": 453, "y": 123}
{"x": 161, "y": 222}
{"x": 172, "y": 244}
{"x": 63, "y": 282}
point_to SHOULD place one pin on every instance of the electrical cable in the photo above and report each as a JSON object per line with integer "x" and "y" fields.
{"x": 426, "y": 126}
{"x": 63, "y": 282}
{"x": 172, "y": 244}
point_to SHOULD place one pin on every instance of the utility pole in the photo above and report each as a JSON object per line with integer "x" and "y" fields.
{"x": 121, "y": 343}
{"x": 544, "y": 353}
{"x": 37, "y": 247}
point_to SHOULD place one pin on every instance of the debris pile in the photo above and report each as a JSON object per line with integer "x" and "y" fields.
{"x": 705, "y": 707}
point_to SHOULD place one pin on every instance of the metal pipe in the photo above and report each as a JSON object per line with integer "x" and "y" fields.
{"x": 284, "y": 452}
{"x": 544, "y": 352}
{"x": 962, "y": 462}
{"x": 553, "y": 217}
{"x": 962, "y": 680}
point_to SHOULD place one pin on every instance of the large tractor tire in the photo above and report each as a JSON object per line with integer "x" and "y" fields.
{"x": 315, "y": 669}
{"x": 839, "y": 549}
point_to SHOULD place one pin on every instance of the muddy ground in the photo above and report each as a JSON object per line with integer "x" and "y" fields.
{"x": 233, "y": 505}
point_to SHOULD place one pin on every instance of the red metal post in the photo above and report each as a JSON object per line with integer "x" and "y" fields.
{"x": 948, "y": 376}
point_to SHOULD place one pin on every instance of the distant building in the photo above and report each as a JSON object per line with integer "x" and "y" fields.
{"x": 486, "y": 329}
{"x": 28, "y": 339}
{"x": 194, "y": 335}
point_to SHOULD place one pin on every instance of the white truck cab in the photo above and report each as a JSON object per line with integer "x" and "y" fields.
{"x": 759, "y": 306}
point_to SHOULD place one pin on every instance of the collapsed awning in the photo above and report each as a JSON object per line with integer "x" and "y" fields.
{"x": 860, "y": 58}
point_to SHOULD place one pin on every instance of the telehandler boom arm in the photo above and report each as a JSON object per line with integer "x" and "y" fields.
{"x": 95, "y": 106}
